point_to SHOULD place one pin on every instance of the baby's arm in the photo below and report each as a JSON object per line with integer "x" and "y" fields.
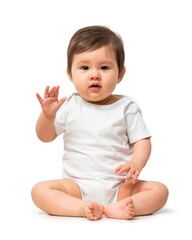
{"x": 50, "y": 104}
{"x": 141, "y": 153}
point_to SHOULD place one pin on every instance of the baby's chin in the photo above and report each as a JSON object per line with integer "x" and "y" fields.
{"x": 95, "y": 100}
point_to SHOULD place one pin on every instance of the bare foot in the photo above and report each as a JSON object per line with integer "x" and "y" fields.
{"x": 94, "y": 211}
{"x": 123, "y": 209}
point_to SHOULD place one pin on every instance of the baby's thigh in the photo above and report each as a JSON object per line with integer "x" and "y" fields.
{"x": 71, "y": 188}
{"x": 128, "y": 189}
{"x": 63, "y": 185}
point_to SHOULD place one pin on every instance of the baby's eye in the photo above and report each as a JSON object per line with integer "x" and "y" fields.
{"x": 104, "y": 67}
{"x": 84, "y": 68}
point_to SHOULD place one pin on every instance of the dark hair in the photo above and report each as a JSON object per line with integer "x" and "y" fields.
{"x": 93, "y": 37}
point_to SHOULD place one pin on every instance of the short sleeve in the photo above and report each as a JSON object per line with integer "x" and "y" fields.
{"x": 136, "y": 127}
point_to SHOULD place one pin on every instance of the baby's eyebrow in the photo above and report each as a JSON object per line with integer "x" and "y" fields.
{"x": 83, "y": 62}
{"x": 97, "y": 63}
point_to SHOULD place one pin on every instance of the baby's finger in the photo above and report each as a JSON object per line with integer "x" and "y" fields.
{"x": 46, "y": 93}
{"x": 117, "y": 169}
{"x": 135, "y": 177}
{"x": 121, "y": 170}
{"x": 54, "y": 92}
{"x": 130, "y": 175}
{"x": 39, "y": 98}
{"x": 61, "y": 101}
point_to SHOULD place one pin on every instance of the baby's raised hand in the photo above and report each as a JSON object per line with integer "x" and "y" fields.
{"x": 50, "y": 103}
{"x": 132, "y": 168}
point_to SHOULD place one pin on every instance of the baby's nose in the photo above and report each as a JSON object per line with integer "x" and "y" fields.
{"x": 95, "y": 75}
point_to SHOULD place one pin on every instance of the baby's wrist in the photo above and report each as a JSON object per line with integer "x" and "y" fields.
{"x": 48, "y": 117}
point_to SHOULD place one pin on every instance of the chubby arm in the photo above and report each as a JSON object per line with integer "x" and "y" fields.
{"x": 50, "y": 105}
{"x": 45, "y": 128}
{"x": 141, "y": 154}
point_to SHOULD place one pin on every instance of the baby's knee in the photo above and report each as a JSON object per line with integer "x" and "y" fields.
{"x": 166, "y": 191}
{"x": 37, "y": 190}
{"x": 163, "y": 191}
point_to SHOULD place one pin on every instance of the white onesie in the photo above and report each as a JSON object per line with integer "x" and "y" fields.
{"x": 97, "y": 139}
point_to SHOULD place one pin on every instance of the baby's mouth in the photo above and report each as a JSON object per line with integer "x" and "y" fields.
{"x": 94, "y": 86}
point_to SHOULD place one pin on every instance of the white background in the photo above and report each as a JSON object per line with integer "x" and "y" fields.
{"x": 34, "y": 36}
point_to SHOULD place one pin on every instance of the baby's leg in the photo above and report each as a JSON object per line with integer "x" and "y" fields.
{"x": 141, "y": 198}
{"x": 63, "y": 198}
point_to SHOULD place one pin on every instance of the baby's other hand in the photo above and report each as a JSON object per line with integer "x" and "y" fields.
{"x": 132, "y": 168}
{"x": 50, "y": 103}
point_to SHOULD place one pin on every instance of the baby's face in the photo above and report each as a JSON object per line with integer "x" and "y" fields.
{"x": 95, "y": 74}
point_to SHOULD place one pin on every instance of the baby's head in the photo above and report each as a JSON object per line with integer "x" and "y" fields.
{"x": 93, "y": 37}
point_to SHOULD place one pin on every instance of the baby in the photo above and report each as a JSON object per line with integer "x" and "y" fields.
{"x": 106, "y": 141}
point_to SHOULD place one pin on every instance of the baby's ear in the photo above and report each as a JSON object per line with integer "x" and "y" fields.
{"x": 69, "y": 75}
{"x": 121, "y": 75}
